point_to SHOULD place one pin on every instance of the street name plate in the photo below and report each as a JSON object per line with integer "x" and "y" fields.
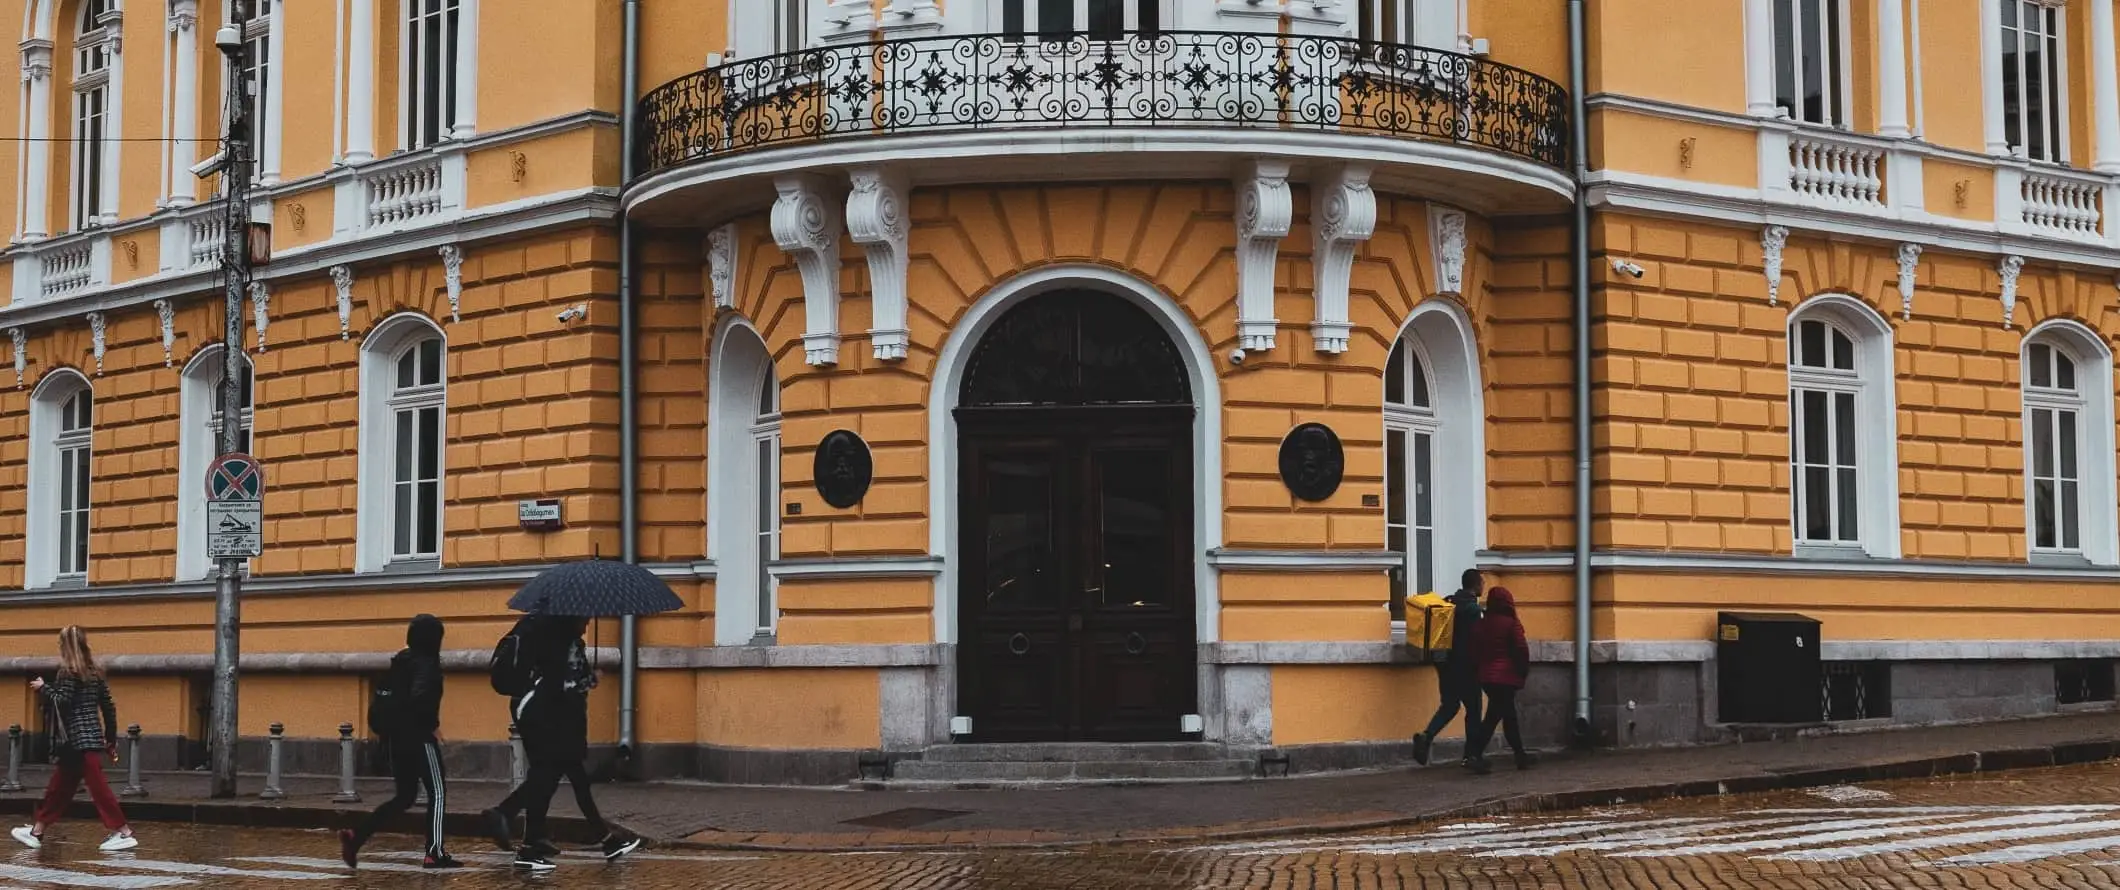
{"x": 235, "y": 529}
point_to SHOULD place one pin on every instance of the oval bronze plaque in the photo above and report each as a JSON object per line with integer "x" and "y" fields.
{"x": 843, "y": 468}
{"x": 1312, "y": 461}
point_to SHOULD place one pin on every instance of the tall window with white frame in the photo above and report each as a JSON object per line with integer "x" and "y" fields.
{"x": 765, "y": 447}
{"x": 1410, "y": 427}
{"x": 92, "y": 56}
{"x": 1428, "y": 23}
{"x": 246, "y": 392}
{"x": 429, "y": 70}
{"x": 2053, "y": 441}
{"x": 1810, "y": 61}
{"x": 76, "y": 423}
{"x": 2034, "y": 85}
{"x": 257, "y": 34}
{"x": 1824, "y": 384}
{"x": 1101, "y": 19}
{"x": 415, "y": 411}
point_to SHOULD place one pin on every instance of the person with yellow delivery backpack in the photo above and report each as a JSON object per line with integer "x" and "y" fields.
{"x": 1448, "y": 628}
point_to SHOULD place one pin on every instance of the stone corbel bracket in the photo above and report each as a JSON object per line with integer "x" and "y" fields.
{"x": 2010, "y": 268}
{"x": 261, "y": 309}
{"x": 167, "y": 312}
{"x": 453, "y": 279}
{"x": 721, "y": 265}
{"x": 1772, "y": 241}
{"x": 342, "y": 286}
{"x": 1446, "y": 235}
{"x": 97, "y": 323}
{"x": 1265, "y": 213}
{"x": 876, "y": 220}
{"x": 20, "y": 339}
{"x": 807, "y": 226}
{"x": 1343, "y": 216}
{"x": 1909, "y": 256}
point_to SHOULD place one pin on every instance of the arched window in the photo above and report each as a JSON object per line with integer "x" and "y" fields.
{"x": 1434, "y": 452}
{"x": 1842, "y": 430}
{"x": 94, "y": 45}
{"x": 430, "y": 82}
{"x": 199, "y": 442}
{"x": 403, "y": 389}
{"x": 2068, "y": 442}
{"x": 62, "y": 421}
{"x": 743, "y": 485}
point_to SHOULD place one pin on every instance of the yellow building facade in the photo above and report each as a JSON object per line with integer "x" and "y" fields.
{"x": 990, "y": 371}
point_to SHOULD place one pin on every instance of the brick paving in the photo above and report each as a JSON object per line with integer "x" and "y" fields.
{"x": 679, "y": 814}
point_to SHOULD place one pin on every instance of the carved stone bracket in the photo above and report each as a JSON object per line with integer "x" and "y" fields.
{"x": 1909, "y": 255}
{"x": 721, "y": 265}
{"x": 1446, "y": 233}
{"x": 342, "y": 284}
{"x": 1265, "y": 212}
{"x": 183, "y": 15}
{"x": 260, "y": 309}
{"x": 807, "y": 226}
{"x": 2009, "y": 268}
{"x": 1343, "y": 216}
{"x": 167, "y": 312}
{"x": 1772, "y": 242}
{"x": 36, "y": 58}
{"x": 453, "y": 278}
{"x": 20, "y": 339}
{"x": 97, "y": 323}
{"x": 876, "y": 220}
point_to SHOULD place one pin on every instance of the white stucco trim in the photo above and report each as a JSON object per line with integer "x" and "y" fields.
{"x": 40, "y": 558}
{"x": 372, "y": 479}
{"x": 2094, "y": 361}
{"x": 732, "y": 488}
{"x": 1877, "y": 442}
{"x": 1447, "y": 344}
{"x": 196, "y": 448}
{"x": 957, "y": 348}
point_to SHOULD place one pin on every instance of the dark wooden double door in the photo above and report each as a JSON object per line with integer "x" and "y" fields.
{"x": 1076, "y": 618}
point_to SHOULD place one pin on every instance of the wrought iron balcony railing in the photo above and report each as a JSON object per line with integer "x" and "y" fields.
{"x": 1169, "y": 78}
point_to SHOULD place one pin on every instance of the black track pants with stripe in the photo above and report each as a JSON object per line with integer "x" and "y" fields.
{"x": 415, "y": 763}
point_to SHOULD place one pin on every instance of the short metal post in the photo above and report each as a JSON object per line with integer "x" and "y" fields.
{"x": 272, "y": 764}
{"x": 347, "y": 793}
{"x": 14, "y": 758}
{"x": 518, "y": 763}
{"x": 132, "y": 788}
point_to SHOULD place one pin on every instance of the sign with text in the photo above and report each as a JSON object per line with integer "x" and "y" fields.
{"x": 235, "y": 529}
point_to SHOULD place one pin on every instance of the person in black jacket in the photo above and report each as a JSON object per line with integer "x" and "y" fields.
{"x": 415, "y": 750}
{"x": 1457, "y": 677}
{"x": 553, "y": 717}
{"x": 84, "y": 726}
{"x": 545, "y": 634}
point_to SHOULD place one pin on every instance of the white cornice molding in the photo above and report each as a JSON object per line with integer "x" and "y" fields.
{"x": 806, "y": 224}
{"x": 1343, "y": 216}
{"x": 876, "y": 220}
{"x": 1265, "y": 213}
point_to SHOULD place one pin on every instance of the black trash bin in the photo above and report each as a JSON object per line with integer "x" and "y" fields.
{"x": 1767, "y": 668}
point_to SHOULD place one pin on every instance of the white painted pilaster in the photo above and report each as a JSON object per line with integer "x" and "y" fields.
{"x": 113, "y": 120}
{"x": 1892, "y": 70}
{"x": 184, "y": 109}
{"x": 467, "y": 31}
{"x": 1998, "y": 141}
{"x": 807, "y": 226}
{"x": 2105, "y": 87}
{"x": 360, "y": 83}
{"x": 37, "y": 166}
{"x": 1759, "y": 59}
{"x": 274, "y": 87}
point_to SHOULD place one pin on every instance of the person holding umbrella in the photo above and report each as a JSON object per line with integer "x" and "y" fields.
{"x": 552, "y": 713}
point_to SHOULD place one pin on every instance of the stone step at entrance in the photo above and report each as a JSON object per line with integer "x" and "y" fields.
{"x": 1072, "y": 763}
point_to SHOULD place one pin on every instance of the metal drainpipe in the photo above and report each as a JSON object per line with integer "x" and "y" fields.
{"x": 628, "y": 416}
{"x": 1579, "y": 138}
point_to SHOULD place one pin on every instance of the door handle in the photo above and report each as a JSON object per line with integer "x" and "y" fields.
{"x": 1135, "y": 645}
{"x": 1019, "y": 644}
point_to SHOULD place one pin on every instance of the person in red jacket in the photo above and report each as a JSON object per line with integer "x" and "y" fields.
{"x": 1503, "y": 660}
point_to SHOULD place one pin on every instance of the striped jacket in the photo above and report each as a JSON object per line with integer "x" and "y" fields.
{"x": 81, "y": 709}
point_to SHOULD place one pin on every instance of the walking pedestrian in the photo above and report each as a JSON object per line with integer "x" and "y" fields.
{"x": 1456, "y": 676}
{"x": 1504, "y": 663}
{"x": 499, "y": 818}
{"x": 84, "y": 734}
{"x": 407, "y": 712}
{"x": 553, "y": 718}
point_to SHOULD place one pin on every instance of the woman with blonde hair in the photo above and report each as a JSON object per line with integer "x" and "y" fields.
{"x": 84, "y": 726}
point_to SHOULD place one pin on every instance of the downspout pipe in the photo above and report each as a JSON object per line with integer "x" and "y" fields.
{"x": 628, "y": 371}
{"x": 1579, "y": 154}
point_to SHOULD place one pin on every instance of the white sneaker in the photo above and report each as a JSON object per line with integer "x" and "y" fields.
{"x": 118, "y": 842}
{"x": 22, "y": 833}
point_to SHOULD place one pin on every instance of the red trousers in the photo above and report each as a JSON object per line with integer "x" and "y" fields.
{"x": 73, "y": 769}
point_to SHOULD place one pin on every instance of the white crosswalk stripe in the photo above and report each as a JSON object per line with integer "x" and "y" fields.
{"x": 1948, "y": 840}
{"x": 1626, "y": 839}
{"x": 39, "y": 875}
{"x": 1471, "y": 841}
{"x": 2015, "y": 820}
{"x": 335, "y": 865}
{"x": 2035, "y": 852}
{"x": 197, "y": 868}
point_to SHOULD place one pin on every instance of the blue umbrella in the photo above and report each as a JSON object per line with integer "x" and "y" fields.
{"x": 595, "y": 588}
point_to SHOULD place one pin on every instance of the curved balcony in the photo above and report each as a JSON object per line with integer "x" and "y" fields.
{"x": 988, "y": 107}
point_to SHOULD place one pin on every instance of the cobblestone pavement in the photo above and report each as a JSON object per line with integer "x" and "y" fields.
{"x": 2055, "y": 828}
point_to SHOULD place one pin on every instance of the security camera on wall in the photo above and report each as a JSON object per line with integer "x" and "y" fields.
{"x": 207, "y": 168}
{"x": 1631, "y": 270}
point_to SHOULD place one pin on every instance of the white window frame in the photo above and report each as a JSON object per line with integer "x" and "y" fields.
{"x": 93, "y": 116}
{"x": 1415, "y": 422}
{"x": 738, "y": 496}
{"x": 990, "y": 16}
{"x": 266, "y": 35}
{"x": 1876, "y": 439}
{"x": 419, "y": 88}
{"x": 757, "y": 28}
{"x": 1837, "y": 64}
{"x": 44, "y": 565}
{"x": 375, "y": 547}
{"x": 765, "y": 449}
{"x": 1439, "y": 335}
{"x": 2055, "y": 100}
{"x": 199, "y": 442}
{"x": 1432, "y": 24}
{"x": 2092, "y": 401}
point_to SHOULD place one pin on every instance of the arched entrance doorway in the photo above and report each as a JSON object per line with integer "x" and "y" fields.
{"x": 1076, "y": 594}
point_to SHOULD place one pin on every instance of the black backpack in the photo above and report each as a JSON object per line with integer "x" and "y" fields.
{"x": 509, "y": 671}
{"x": 388, "y": 699}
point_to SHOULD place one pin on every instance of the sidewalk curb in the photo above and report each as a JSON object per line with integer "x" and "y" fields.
{"x": 574, "y": 830}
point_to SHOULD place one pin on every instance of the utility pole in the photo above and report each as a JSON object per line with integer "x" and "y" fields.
{"x": 235, "y": 268}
